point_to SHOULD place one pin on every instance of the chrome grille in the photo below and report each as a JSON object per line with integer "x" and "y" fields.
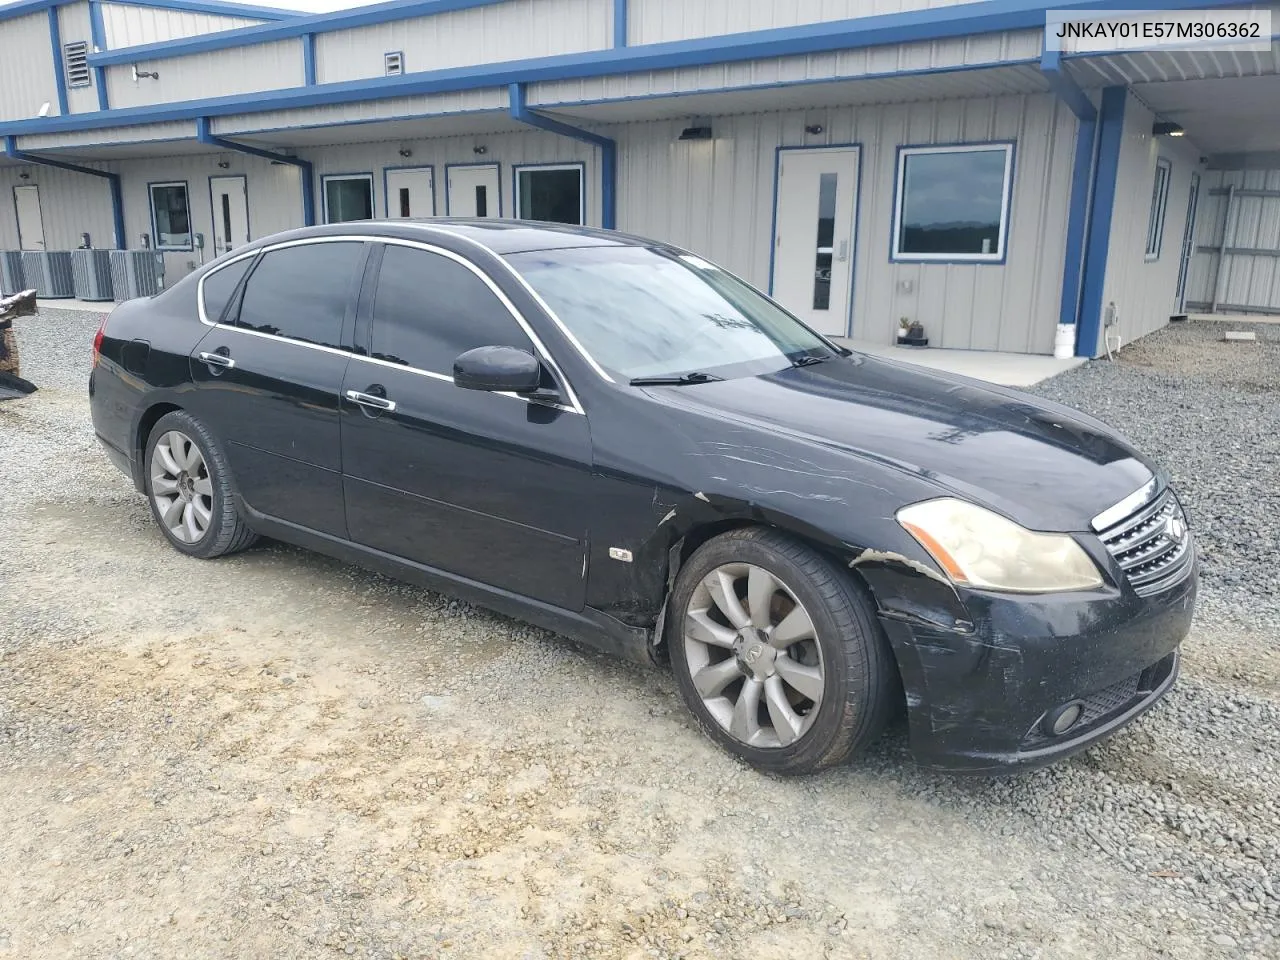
{"x": 1152, "y": 545}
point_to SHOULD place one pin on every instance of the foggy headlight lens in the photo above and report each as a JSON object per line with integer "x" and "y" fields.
{"x": 979, "y": 548}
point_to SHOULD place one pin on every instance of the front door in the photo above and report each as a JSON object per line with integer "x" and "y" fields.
{"x": 473, "y": 191}
{"x": 410, "y": 193}
{"x": 26, "y": 200}
{"x": 1188, "y": 241}
{"x": 485, "y": 486}
{"x": 814, "y": 234}
{"x": 230, "y": 213}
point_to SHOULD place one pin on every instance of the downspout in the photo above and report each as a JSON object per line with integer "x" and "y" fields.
{"x": 1098, "y": 242}
{"x": 619, "y": 23}
{"x": 205, "y": 135}
{"x": 59, "y": 72}
{"x": 113, "y": 182}
{"x": 98, "y": 38}
{"x": 608, "y": 151}
{"x": 1082, "y": 178}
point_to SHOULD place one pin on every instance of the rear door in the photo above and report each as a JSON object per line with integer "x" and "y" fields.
{"x": 486, "y": 486}
{"x": 268, "y": 377}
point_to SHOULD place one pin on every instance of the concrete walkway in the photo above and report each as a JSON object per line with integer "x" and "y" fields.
{"x": 1006, "y": 369}
{"x": 84, "y": 306}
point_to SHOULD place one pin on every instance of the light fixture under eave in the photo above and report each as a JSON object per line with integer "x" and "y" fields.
{"x": 695, "y": 133}
{"x": 1167, "y": 128}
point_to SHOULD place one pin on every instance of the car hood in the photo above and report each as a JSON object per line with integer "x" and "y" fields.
{"x": 1041, "y": 464}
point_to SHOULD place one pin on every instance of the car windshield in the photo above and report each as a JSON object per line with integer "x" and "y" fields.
{"x": 644, "y": 312}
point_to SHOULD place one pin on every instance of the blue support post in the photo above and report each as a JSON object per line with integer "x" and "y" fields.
{"x": 113, "y": 181}
{"x": 608, "y": 151}
{"x": 1097, "y": 248}
{"x": 98, "y": 38}
{"x": 309, "y": 59}
{"x": 205, "y": 135}
{"x": 59, "y": 74}
{"x": 619, "y": 23}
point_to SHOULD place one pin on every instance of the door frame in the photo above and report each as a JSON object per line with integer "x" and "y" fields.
{"x": 579, "y": 165}
{"x": 17, "y": 219}
{"x": 853, "y": 233}
{"x": 213, "y": 210}
{"x": 386, "y": 190}
{"x": 1188, "y": 250}
{"x": 483, "y": 163}
{"x": 359, "y": 175}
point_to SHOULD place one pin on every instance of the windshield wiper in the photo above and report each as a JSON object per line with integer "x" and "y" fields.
{"x": 684, "y": 380}
{"x": 808, "y": 360}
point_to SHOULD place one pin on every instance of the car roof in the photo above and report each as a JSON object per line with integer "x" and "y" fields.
{"x": 501, "y": 236}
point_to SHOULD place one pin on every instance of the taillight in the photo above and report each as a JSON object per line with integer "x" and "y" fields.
{"x": 97, "y": 339}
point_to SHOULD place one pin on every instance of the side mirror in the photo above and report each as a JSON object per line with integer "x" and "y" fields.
{"x": 498, "y": 369}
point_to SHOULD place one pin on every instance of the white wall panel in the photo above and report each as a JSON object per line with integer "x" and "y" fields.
{"x": 129, "y": 26}
{"x": 73, "y": 25}
{"x": 516, "y": 30}
{"x": 218, "y": 73}
{"x": 716, "y": 197}
{"x": 365, "y": 111}
{"x": 1145, "y": 291}
{"x": 26, "y": 68}
{"x": 70, "y": 204}
{"x": 653, "y": 21}
{"x": 174, "y": 130}
{"x": 1248, "y": 280}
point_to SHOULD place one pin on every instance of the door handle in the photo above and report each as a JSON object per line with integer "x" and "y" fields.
{"x": 217, "y": 360}
{"x": 843, "y": 255}
{"x": 370, "y": 401}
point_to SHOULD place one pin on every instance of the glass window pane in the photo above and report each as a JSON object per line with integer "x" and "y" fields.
{"x": 171, "y": 215}
{"x": 219, "y": 285}
{"x": 348, "y": 199}
{"x": 429, "y": 309}
{"x": 554, "y": 196}
{"x": 826, "y": 240}
{"x": 952, "y": 203}
{"x": 1159, "y": 201}
{"x": 302, "y": 292}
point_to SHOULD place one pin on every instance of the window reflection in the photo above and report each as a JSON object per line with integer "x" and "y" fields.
{"x": 952, "y": 202}
{"x": 826, "y": 241}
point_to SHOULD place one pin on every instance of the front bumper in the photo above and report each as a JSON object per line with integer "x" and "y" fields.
{"x": 983, "y": 700}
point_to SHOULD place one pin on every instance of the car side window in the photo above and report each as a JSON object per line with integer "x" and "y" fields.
{"x": 220, "y": 285}
{"x": 302, "y": 292}
{"x": 428, "y": 309}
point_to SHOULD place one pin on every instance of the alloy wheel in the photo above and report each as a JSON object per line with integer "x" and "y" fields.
{"x": 181, "y": 488}
{"x": 753, "y": 655}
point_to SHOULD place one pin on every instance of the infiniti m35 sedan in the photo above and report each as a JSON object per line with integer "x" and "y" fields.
{"x": 617, "y": 440}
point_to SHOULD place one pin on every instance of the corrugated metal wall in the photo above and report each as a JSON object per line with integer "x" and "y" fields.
{"x": 129, "y": 26}
{"x": 70, "y": 204}
{"x": 26, "y": 68}
{"x": 466, "y": 101}
{"x": 1249, "y": 282}
{"x": 716, "y": 197}
{"x": 507, "y": 31}
{"x": 73, "y": 25}
{"x": 218, "y": 73}
{"x": 652, "y": 21}
{"x": 1145, "y": 291}
{"x": 173, "y": 130}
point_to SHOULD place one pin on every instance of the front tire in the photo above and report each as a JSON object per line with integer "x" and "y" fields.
{"x": 778, "y": 654}
{"x": 189, "y": 489}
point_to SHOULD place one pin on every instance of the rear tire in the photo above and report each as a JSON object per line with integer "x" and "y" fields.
{"x": 778, "y": 653}
{"x": 188, "y": 485}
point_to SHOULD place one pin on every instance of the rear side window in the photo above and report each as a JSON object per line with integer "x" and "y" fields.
{"x": 219, "y": 286}
{"x": 429, "y": 309}
{"x": 302, "y": 292}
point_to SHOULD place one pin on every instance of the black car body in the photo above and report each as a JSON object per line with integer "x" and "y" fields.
{"x": 574, "y": 506}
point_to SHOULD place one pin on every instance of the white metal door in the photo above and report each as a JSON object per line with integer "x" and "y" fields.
{"x": 26, "y": 200}
{"x": 410, "y": 193}
{"x": 474, "y": 191}
{"x": 813, "y": 242}
{"x": 230, "y": 213}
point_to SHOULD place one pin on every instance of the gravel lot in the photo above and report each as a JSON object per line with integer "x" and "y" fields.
{"x": 276, "y": 755}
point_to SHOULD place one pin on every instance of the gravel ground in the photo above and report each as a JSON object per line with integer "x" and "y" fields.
{"x": 277, "y": 755}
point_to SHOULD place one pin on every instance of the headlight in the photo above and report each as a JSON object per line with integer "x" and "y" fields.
{"x": 979, "y": 548}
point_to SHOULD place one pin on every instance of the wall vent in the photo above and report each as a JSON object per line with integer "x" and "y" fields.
{"x": 394, "y": 63}
{"x": 76, "y": 58}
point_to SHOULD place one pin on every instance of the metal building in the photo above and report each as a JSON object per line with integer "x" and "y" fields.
{"x": 869, "y": 162}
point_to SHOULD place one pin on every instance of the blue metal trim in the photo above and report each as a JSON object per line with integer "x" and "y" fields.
{"x": 1065, "y": 86}
{"x": 938, "y": 23}
{"x": 1163, "y": 200}
{"x": 1187, "y": 251}
{"x": 59, "y": 68}
{"x": 309, "y": 59}
{"x": 608, "y": 151}
{"x": 1110, "y": 140}
{"x": 497, "y": 167}
{"x": 550, "y": 164}
{"x": 958, "y": 260}
{"x": 620, "y": 23}
{"x": 151, "y": 205}
{"x": 1078, "y": 220}
{"x": 113, "y": 180}
{"x": 213, "y": 213}
{"x": 857, "y": 212}
{"x": 361, "y": 174}
{"x": 386, "y": 190}
{"x": 204, "y": 133}
{"x": 98, "y": 40}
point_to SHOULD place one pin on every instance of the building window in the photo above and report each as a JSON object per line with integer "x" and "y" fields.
{"x": 75, "y": 58}
{"x": 348, "y": 197}
{"x": 551, "y": 193}
{"x": 170, "y": 216}
{"x": 1159, "y": 204}
{"x": 953, "y": 203}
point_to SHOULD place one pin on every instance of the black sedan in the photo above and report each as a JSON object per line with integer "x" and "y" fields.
{"x": 621, "y": 442}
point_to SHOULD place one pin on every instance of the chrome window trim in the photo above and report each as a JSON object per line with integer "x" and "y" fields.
{"x": 1113, "y": 515}
{"x": 574, "y": 406}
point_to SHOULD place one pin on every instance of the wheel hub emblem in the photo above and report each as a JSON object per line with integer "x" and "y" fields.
{"x": 755, "y": 656}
